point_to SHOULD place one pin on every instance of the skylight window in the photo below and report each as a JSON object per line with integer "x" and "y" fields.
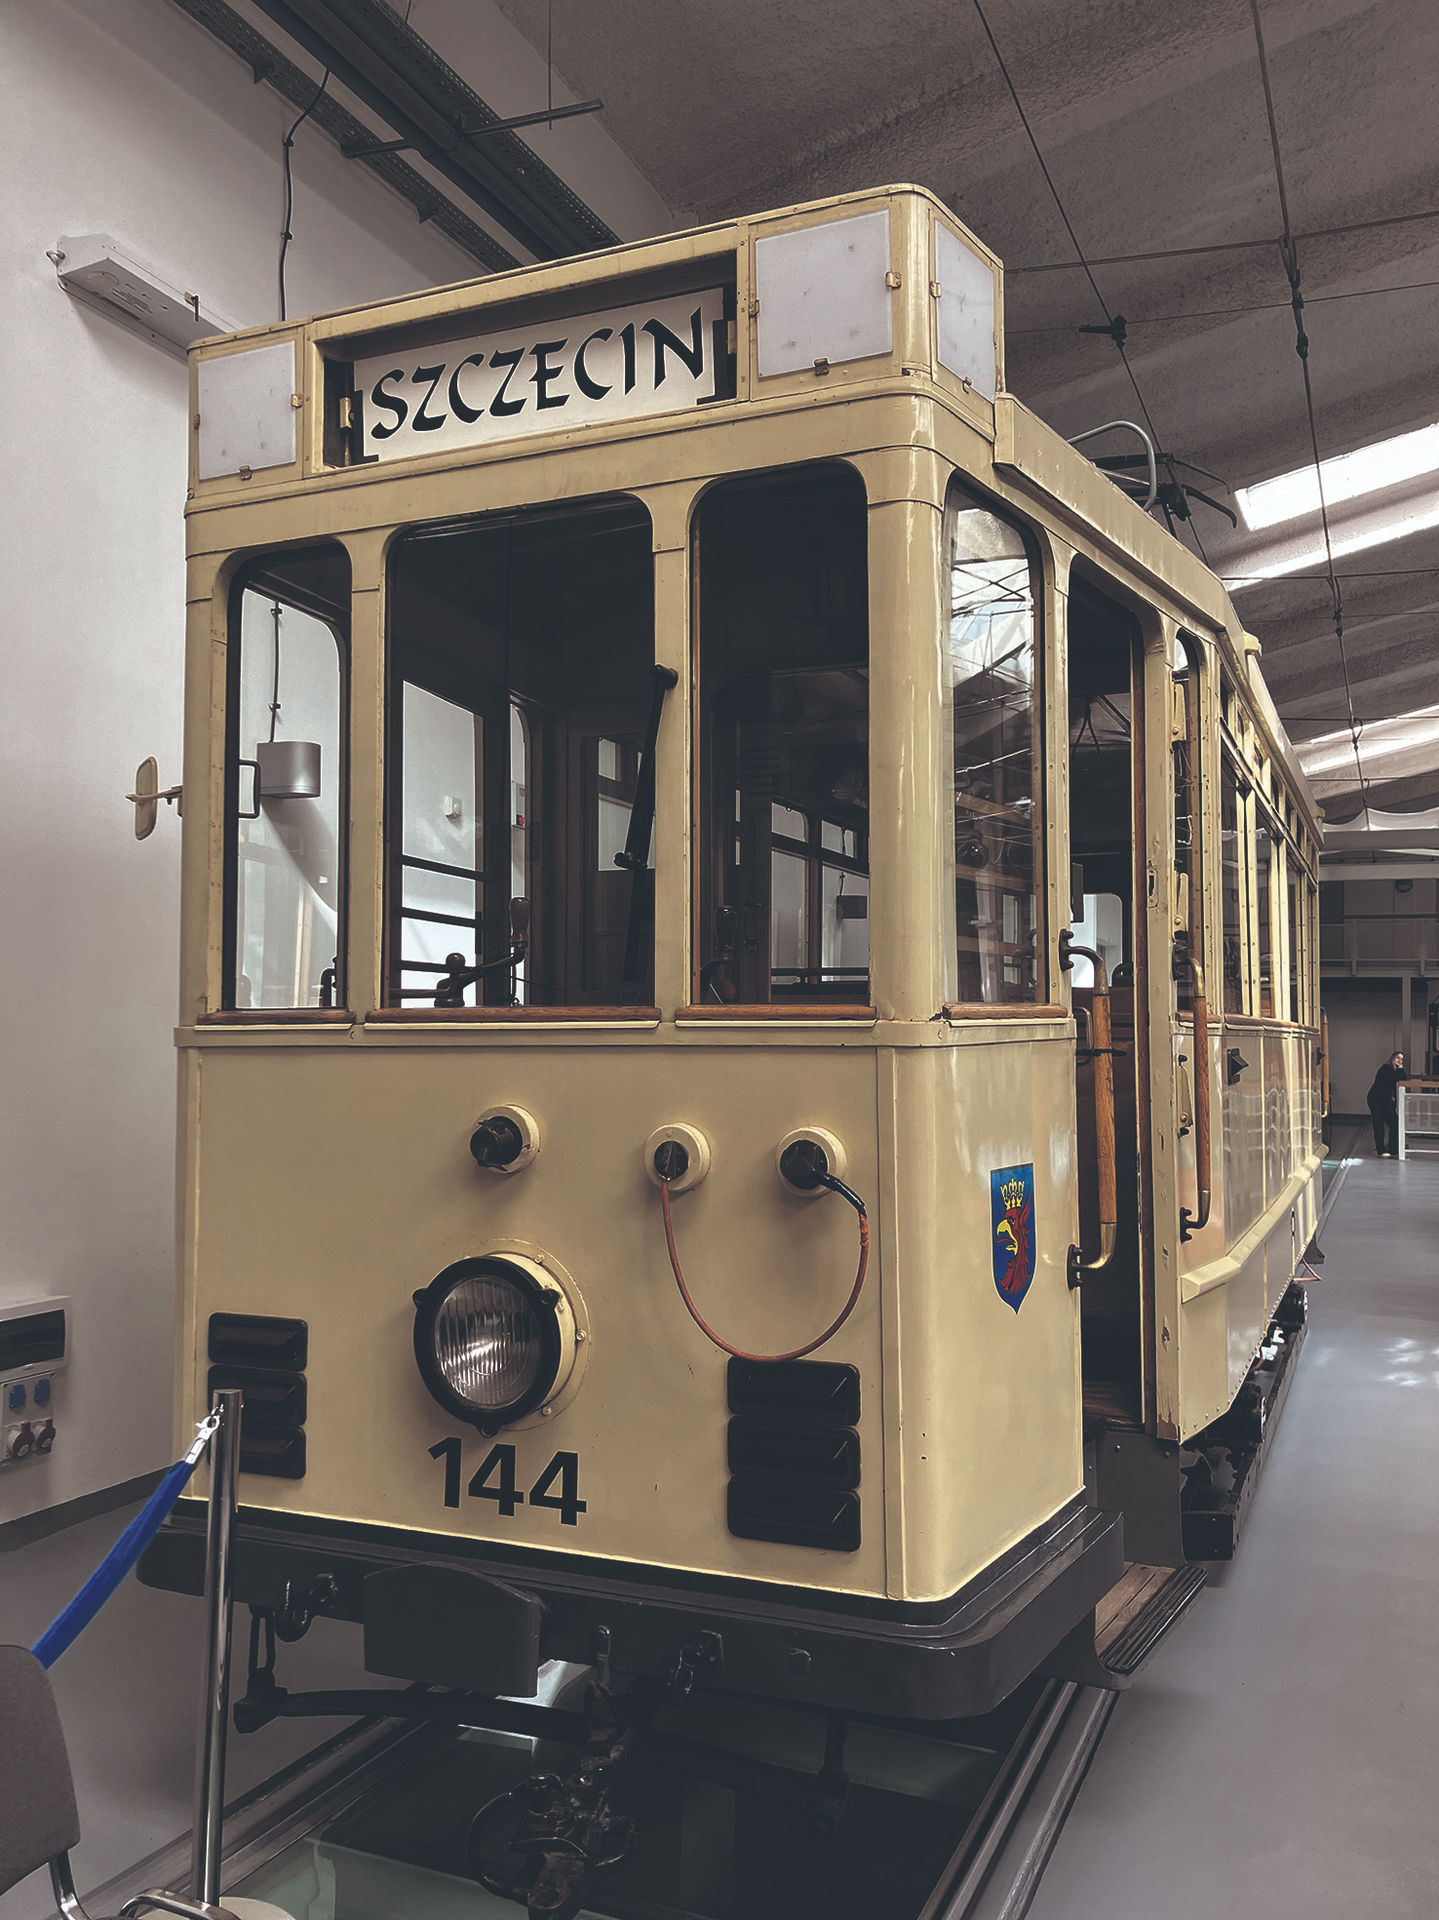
{"x": 1327, "y": 753}
{"x": 1347, "y": 477}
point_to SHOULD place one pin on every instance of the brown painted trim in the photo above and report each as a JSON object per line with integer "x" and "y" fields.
{"x": 1002, "y": 1010}
{"x": 1268, "y": 1022}
{"x": 510, "y": 1016}
{"x": 278, "y": 1017}
{"x": 768, "y": 1010}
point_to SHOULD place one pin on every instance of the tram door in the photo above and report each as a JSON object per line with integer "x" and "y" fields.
{"x": 1106, "y": 785}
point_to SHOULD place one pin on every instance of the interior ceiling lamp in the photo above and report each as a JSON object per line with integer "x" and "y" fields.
{"x": 1407, "y": 456}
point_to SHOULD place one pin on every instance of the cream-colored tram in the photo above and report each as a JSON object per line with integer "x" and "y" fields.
{"x": 748, "y": 978}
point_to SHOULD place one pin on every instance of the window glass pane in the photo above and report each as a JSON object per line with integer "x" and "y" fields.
{"x": 1186, "y": 817}
{"x": 1294, "y": 948}
{"x": 286, "y": 767}
{"x": 1311, "y": 954}
{"x": 789, "y": 922}
{"x": 844, "y": 922}
{"x": 442, "y": 777}
{"x": 521, "y": 659}
{"x": 1102, "y": 928}
{"x": 1233, "y": 889}
{"x": 1263, "y": 861}
{"x": 995, "y": 736}
{"x": 784, "y": 739}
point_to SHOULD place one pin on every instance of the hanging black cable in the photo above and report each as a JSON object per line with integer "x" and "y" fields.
{"x": 1225, "y": 313}
{"x": 1290, "y": 255}
{"x": 1115, "y": 323}
{"x": 286, "y": 236}
{"x": 275, "y": 692}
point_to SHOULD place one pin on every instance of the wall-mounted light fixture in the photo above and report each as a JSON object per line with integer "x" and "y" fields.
{"x": 94, "y": 271}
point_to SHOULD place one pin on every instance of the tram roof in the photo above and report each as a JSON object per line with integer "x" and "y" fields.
{"x": 923, "y": 239}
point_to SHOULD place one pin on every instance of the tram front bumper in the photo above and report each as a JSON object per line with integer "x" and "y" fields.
{"x": 951, "y": 1659}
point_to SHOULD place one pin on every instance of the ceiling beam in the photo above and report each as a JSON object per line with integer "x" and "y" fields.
{"x": 292, "y": 83}
{"x": 384, "y": 63}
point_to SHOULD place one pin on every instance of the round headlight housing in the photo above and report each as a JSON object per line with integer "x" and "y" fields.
{"x": 488, "y": 1341}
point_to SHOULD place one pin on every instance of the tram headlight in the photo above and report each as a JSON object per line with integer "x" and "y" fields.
{"x": 488, "y": 1340}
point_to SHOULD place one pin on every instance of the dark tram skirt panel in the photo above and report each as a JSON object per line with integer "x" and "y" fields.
{"x": 448, "y": 1613}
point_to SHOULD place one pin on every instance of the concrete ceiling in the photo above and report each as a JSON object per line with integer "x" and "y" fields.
{"x": 1152, "y": 122}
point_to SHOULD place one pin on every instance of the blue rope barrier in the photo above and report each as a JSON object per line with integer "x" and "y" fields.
{"x": 72, "y": 1621}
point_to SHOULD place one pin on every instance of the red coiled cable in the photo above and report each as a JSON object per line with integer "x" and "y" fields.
{"x": 738, "y": 1353}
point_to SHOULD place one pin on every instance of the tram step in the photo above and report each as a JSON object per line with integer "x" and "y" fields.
{"x": 1139, "y": 1609}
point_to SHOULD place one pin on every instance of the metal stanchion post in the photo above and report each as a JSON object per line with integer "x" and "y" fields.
{"x": 215, "y": 1706}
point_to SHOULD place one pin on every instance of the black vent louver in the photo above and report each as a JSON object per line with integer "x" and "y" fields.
{"x": 264, "y": 1356}
{"x": 794, "y": 1456}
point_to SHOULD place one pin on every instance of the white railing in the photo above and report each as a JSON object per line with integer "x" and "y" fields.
{"x": 1380, "y": 943}
{"x": 1418, "y": 1118}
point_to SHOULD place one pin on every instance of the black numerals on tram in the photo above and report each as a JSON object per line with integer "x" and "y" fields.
{"x": 495, "y": 1480}
{"x": 565, "y": 1467}
{"x": 451, "y": 1450}
{"x": 503, "y": 1492}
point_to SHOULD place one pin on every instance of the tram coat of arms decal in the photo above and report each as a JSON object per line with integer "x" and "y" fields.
{"x": 1011, "y": 1194}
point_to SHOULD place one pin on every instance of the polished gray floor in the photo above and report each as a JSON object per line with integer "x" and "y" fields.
{"x": 128, "y": 1692}
{"x": 1278, "y": 1758}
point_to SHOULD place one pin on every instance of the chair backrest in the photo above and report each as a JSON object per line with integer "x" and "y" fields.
{"x": 37, "y": 1796}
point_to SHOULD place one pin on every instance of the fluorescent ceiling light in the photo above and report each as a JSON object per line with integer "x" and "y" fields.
{"x": 1405, "y": 457}
{"x": 1374, "y": 532}
{"x": 1331, "y": 752}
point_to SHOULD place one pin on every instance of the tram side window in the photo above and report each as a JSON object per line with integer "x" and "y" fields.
{"x": 1233, "y": 887}
{"x": 1311, "y": 953}
{"x": 1187, "y": 866}
{"x": 783, "y": 860}
{"x": 1295, "y": 943}
{"x": 521, "y": 676}
{"x": 1263, "y": 900}
{"x": 285, "y": 782}
{"x": 991, "y": 687}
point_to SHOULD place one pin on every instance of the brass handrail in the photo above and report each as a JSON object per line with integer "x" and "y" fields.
{"x": 1102, "y": 1048}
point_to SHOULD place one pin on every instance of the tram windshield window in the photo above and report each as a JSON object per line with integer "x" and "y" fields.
{"x": 784, "y": 740}
{"x": 995, "y": 735}
{"x": 521, "y": 676}
{"x": 1233, "y": 886}
{"x": 285, "y": 782}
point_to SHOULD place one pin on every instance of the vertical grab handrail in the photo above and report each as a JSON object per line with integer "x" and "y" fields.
{"x": 219, "y": 1599}
{"x": 1190, "y": 1223}
{"x": 1102, "y": 1050}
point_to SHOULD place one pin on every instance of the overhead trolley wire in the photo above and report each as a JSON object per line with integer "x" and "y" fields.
{"x": 1290, "y": 255}
{"x": 1222, "y": 246}
{"x": 1114, "y": 327}
{"x": 1224, "y": 313}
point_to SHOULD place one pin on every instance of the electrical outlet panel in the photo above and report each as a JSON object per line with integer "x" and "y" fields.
{"x": 34, "y": 1353}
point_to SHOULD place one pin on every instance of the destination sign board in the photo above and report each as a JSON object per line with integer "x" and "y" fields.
{"x": 621, "y": 364}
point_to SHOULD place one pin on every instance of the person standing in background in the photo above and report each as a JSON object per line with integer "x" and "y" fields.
{"x": 1384, "y": 1106}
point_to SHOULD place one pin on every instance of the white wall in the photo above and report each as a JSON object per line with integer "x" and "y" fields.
{"x": 125, "y": 117}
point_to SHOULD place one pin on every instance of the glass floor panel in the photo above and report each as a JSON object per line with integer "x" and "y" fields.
{"x": 706, "y": 1848}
